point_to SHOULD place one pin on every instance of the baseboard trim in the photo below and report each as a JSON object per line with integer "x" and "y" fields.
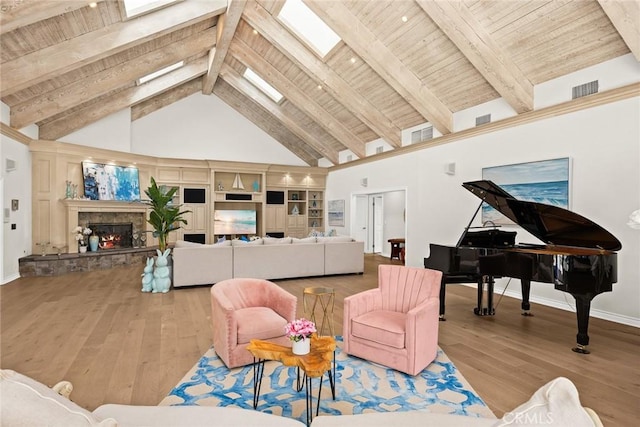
{"x": 10, "y": 278}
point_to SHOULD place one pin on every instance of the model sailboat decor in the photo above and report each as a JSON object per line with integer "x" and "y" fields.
{"x": 237, "y": 183}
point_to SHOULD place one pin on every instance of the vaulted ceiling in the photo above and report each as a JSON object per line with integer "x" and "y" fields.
{"x": 399, "y": 64}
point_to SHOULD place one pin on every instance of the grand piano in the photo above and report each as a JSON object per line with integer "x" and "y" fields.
{"x": 578, "y": 256}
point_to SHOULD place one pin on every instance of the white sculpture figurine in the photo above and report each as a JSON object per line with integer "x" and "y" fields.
{"x": 147, "y": 276}
{"x": 161, "y": 279}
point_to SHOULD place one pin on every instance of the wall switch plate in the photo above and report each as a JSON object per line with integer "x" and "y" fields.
{"x": 13, "y": 226}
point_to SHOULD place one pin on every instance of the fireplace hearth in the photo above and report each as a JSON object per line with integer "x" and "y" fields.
{"x": 113, "y": 236}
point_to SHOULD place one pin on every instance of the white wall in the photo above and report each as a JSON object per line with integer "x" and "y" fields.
{"x": 604, "y": 144}
{"x": 16, "y": 185}
{"x": 204, "y": 127}
{"x": 112, "y": 133}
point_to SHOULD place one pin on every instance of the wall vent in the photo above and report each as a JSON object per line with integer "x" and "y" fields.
{"x": 481, "y": 120}
{"x": 379, "y": 149}
{"x": 584, "y": 89}
{"x": 423, "y": 134}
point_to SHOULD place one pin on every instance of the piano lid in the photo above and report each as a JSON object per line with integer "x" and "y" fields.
{"x": 551, "y": 224}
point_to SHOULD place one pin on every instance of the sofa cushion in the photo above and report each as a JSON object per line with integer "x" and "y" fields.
{"x": 381, "y": 326}
{"x": 259, "y": 323}
{"x": 26, "y": 402}
{"x": 277, "y": 241}
{"x": 555, "y": 404}
{"x": 185, "y": 244}
{"x": 303, "y": 240}
{"x": 192, "y": 416}
{"x": 238, "y": 242}
{"x": 335, "y": 239}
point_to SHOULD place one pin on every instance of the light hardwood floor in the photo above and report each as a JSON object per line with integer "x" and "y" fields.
{"x": 117, "y": 345}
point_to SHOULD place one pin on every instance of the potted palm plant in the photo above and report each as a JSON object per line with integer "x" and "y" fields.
{"x": 164, "y": 217}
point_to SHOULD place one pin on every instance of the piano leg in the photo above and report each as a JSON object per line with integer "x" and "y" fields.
{"x": 443, "y": 291}
{"x": 488, "y": 310}
{"x": 583, "y": 306}
{"x": 526, "y": 291}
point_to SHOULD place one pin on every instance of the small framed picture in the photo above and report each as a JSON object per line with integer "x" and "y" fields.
{"x": 15, "y": 204}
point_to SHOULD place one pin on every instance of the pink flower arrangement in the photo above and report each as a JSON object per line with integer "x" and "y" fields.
{"x": 300, "y": 329}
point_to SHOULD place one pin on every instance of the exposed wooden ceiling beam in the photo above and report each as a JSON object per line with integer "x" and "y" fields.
{"x": 67, "y": 97}
{"x": 383, "y": 61}
{"x": 61, "y": 58}
{"x": 227, "y": 24}
{"x": 80, "y": 118}
{"x": 475, "y": 43}
{"x": 273, "y": 31}
{"x": 624, "y": 15}
{"x": 15, "y": 14}
{"x": 273, "y": 76}
{"x": 242, "y": 85}
{"x": 165, "y": 98}
{"x": 239, "y": 102}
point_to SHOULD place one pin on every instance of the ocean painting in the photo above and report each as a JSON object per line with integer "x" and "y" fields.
{"x": 545, "y": 181}
{"x": 110, "y": 182}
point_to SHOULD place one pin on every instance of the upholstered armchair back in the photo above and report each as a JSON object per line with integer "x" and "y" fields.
{"x": 244, "y": 293}
{"x": 403, "y": 288}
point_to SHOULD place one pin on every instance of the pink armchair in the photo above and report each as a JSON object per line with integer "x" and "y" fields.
{"x": 396, "y": 324}
{"x": 243, "y": 309}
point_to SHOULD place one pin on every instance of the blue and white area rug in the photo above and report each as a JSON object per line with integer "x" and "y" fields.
{"x": 361, "y": 387}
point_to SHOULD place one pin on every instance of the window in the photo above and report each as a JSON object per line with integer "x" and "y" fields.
{"x": 308, "y": 26}
{"x": 160, "y": 72}
{"x": 138, "y": 7}
{"x": 265, "y": 87}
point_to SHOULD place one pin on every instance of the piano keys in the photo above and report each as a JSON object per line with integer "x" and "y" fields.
{"x": 578, "y": 258}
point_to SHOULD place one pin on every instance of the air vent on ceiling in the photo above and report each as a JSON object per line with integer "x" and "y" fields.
{"x": 584, "y": 89}
{"x": 423, "y": 134}
{"x": 481, "y": 120}
{"x": 379, "y": 149}
{"x": 349, "y": 157}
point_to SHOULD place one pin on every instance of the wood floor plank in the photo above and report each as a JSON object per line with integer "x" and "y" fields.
{"x": 119, "y": 345}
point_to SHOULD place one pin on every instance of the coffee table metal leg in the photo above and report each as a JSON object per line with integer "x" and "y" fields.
{"x": 308, "y": 394}
{"x": 300, "y": 380}
{"x": 332, "y": 376}
{"x": 258, "y": 370}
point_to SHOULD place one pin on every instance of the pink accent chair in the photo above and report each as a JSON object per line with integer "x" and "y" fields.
{"x": 244, "y": 309}
{"x": 396, "y": 324}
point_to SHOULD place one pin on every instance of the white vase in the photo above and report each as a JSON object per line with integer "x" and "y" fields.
{"x": 301, "y": 347}
{"x": 83, "y": 249}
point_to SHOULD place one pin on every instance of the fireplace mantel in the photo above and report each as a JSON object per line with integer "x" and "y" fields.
{"x": 75, "y": 206}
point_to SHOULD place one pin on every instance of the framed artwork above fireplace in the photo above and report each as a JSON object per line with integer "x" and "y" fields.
{"x": 110, "y": 182}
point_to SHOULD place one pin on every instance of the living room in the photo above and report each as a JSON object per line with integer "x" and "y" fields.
{"x": 601, "y": 141}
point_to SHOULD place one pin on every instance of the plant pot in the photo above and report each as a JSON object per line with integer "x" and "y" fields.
{"x": 301, "y": 347}
{"x": 82, "y": 249}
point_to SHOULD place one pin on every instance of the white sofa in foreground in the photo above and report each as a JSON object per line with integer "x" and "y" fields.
{"x": 265, "y": 258}
{"x": 26, "y": 402}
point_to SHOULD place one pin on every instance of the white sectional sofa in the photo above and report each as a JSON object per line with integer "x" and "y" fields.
{"x": 265, "y": 258}
{"x": 26, "y": 402}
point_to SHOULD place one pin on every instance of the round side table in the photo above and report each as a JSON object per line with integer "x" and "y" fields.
{"x": 321, "y": 298}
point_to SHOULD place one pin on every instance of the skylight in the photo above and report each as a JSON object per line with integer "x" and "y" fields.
{"x": 265, "y": 87}
{"x": 160, "y": 72}
{"x": 308, "y": 26}
{"x": 138, "y": 7}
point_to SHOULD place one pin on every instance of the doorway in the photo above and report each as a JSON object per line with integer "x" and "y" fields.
{"x": 378, "y": 217}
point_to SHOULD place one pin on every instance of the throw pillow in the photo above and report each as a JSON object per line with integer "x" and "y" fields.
{"x": 276, "y": 241}
{"x": 26, "y": 402}
{"x": 304, "y": 240}
{"x": 222, "y": 239}
{"x": 555, "y": 404}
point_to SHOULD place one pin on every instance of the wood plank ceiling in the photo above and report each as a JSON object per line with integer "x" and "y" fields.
{"x": 399, "y": 64}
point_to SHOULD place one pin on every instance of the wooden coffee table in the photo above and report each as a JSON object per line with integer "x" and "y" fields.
{"x": 320, "y": 359}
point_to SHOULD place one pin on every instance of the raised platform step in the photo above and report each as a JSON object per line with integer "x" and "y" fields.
{"x": 55, "y": 265}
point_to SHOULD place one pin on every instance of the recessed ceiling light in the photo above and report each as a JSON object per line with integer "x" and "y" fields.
{"x": 319, "y": 87}
{"x": 255, "y": 32}
{"x": 353, "y": 60}
{"x": 404, "y": 19}
{"x": 93, "y": 4}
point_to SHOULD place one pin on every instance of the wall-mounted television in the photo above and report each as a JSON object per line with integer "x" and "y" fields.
{"x": 234, "y": 222}
{"x": 110, "y": 182}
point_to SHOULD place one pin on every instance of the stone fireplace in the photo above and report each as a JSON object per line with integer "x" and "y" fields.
{"x": 115, "y": 223}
